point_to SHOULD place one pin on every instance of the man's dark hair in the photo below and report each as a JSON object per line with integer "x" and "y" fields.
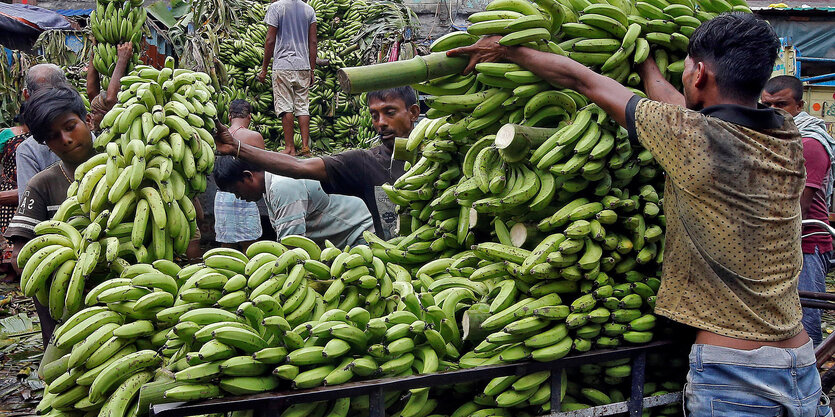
{"x": 741, "y": 48}
{"x": 46, "y": 105}
{"x": 229, "y": 170}
{"x": 783, "y": 82}
{"x": 405, "y": 93}
{"x": 44, "y": 76}
{"x": 238, "y": 109}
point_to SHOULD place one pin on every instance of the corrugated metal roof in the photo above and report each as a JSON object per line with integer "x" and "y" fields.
{"x": 806, "y": 11}
{"x": 74, "y": 12}
{"x": 790, "y": 3}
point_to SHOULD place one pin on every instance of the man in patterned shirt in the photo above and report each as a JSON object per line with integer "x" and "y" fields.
{"x": 732, "y": 202}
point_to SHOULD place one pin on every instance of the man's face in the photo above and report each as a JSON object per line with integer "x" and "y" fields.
{"x": 392, "y": 119}
{"x": 249, "y": 188}
{"x": 70, "y": 138}
{"x": 783, "y": 99}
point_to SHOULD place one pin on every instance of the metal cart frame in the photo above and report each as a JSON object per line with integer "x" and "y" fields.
{"x": 271, "y": 403}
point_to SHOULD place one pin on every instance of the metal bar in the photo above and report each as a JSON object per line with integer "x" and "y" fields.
{"x": 639, "y": 366}
{"x": 814, "y": 59}
{"x": 818, "y": 78}
{"x": 823, "y": 305}
{"x": 556, "y": 389}
{"x": 353, "y": 389}
{"x": 621, "y": 407}
{"x": 376, "y": 402}
{"x": 824, "y": 351}
{"x": 814, "y": 295}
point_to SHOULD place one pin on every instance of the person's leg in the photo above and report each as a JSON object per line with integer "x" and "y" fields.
{"x": 283, "y": 101}
{"x": 811, "y": 277}
{"x": 288, "y": 129}
{"x": 301, "y": 106}
{"x": 304, "y": 127}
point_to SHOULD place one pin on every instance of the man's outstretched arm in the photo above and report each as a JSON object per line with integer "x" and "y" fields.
{"x": 275, "y": 162}
{"x": 656, "y": 86}
{"x": 607, "y": 93}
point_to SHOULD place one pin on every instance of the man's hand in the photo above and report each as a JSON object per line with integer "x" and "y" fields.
{"x": 312, "y": 77}
{"x": 487, "y": 49}
{"x": 124, "y": 51}
{"x": 226, "y": 144}
{"x": 262, "y": 76}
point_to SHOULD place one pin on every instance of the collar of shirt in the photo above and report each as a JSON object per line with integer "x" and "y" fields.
{"x": 758, "y": 119}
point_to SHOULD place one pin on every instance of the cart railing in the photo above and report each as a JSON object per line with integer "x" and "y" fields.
{"x": 271, "y": 403}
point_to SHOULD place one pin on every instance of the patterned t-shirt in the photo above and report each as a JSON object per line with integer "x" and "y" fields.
{"x": 732, "y": 201}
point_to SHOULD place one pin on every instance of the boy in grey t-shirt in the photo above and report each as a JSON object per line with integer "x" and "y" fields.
{"x": 291, "y": 43}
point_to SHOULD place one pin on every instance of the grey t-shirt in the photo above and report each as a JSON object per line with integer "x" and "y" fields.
{"x": 293, "y": 19}
{"x": 32, "y": 158}
{"x": 301, "y": 207}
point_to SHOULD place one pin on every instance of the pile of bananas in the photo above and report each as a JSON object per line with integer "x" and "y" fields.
{"x": 114, "y": 345}
{"x": 335, "y": 120}
{"x": 531, "y": 228}
{"x": 114, "y": 23}
{"x": 132, "y": 202}
{"x": 293, "y": 315}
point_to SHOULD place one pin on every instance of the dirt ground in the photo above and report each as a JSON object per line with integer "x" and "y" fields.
{"x": 20, "y": 352}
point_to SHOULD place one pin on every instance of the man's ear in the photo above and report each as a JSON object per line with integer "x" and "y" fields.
{"x": 801, "y": 105}
{"x": 702, "y": 74}
{"x": 414, "y": 111}
{"x": 26, "y": 94}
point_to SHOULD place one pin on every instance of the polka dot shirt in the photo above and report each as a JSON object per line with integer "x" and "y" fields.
{"x": 732, "y": 201}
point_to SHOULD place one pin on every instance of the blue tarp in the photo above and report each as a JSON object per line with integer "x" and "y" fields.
{"x": 813, "y": 38}
{"x": 74, "y": 12}
{"x": 42, "y": 19}
{"x": 20, "y": 24}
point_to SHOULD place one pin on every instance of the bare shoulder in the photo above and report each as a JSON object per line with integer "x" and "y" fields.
{"x": 250, "y": 137}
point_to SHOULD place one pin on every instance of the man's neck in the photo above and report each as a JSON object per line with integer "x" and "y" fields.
{"x": 69, "y": 169}
{"x": 238, "y": 124}
{"x": 725, "y": 100}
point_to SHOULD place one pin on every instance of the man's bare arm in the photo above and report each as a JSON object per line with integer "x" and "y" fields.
{"x": 275, "y": 162}
{"x": 283, "y": 164}
{"x": 312, "y": 47}
{"x": 607, "y": 93}
{"x": 125, "y": 52}
{"x": 656, "y": 86}
{"x": 269, "y": 49}
{"x": 806, "y": 199}
{"x": 93, "y": 87}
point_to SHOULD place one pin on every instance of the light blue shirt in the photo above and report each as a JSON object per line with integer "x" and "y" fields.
{"x": 32, "y": 158}
{"x": 236, "y": 220}
{"x": 301, "y": 207}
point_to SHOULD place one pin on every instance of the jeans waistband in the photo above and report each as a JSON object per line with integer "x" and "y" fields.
{"x": 766, "y": 356}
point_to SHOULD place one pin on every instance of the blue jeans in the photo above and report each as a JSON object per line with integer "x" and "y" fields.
{"x": 767, "y": 381}
{"x": 813, "y": 278}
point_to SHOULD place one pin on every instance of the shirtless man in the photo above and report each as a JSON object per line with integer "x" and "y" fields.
{"x": 238, "y": 222}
